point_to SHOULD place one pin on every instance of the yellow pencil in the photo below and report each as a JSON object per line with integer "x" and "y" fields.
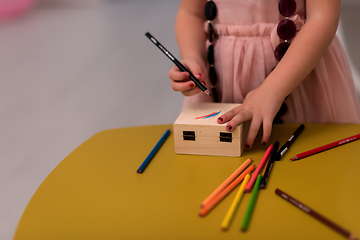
{"x": 231, "y": 212}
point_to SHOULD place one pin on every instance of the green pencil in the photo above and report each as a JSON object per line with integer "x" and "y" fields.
{"x": 251, "y": 204}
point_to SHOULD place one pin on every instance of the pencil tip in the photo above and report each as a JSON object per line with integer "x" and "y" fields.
{"x": 293, "y": 158}
{"x": 207, "y": 92}
{"x": 353, "y": 237}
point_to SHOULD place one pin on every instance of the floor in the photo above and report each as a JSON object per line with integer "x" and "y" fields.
{"x": 72, "y": 68}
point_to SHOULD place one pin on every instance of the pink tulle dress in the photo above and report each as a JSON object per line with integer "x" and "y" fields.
{"x": 244, "y": 55}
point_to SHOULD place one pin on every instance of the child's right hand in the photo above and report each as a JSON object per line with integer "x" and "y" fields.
{"x": 181, "y": 81}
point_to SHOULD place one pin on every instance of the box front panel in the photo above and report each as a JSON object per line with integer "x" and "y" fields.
{"x": 190, "y": 139}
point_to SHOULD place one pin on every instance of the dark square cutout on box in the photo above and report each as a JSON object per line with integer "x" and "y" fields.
{"x": 189, "y": 135}
{"x": 225, "y": 137}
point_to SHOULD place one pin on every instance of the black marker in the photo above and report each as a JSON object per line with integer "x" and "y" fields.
{"x": 177, "y": 63}
{"x": 269, "y": 166}
{"x": 287, "y": 145}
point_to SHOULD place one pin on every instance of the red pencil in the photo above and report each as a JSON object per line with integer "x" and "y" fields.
{"x": 326, "y": 147}
{"x": 259, "y": 168}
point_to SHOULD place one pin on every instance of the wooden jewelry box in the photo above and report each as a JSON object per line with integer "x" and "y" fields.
{"x": 196, "y": 131}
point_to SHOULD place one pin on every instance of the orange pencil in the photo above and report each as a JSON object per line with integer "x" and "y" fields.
{"x": 226, "y": 182}
{"x": 206, "y": 209}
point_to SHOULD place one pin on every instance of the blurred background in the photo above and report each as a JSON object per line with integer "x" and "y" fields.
{"x": 72, "y": 68}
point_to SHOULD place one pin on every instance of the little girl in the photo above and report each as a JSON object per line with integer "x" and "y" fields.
{"x": 280, "y": 59}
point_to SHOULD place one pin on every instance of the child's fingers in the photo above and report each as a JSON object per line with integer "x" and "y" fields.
{"x": 253, "y": 131}
{"x": 229, "y": 114}
{"x": 237, "y": 116}
{"x": 182, "y": 86}
{"x": 267, "y": 126}
{"x": 176, "y": 75}
{"x": 187, "y": 88}
{"x": 240, "y": 117}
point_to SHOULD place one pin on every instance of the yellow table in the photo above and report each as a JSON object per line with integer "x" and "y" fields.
{"x": 95, "y": 192}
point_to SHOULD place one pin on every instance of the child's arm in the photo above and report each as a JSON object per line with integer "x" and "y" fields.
{"x": 191, "y": 38}
{"x": 261, "y": 105}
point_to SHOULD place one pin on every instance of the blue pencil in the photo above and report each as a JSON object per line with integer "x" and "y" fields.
{"x": 153, "y": 152}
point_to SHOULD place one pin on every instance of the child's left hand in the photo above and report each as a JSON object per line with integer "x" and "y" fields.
{"x": 260, "y": 106}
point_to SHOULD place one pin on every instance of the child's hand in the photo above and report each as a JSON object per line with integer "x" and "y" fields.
{"x": 260, "y": 106}
{"x": 180, "y": 80}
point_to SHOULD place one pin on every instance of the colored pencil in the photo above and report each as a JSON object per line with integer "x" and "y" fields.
{"x": 259, "y": 169}
{"x": 177, "y": 63}
{"x": 153, "y": 152}
{"x": 231, "y": 212}
{"x": 284, "y": 148}
{"x": 326, "y": 147}
{"x": 315, "y": 214}
{"x": 208, "y": 115}
{"x": 269, "y": 166}
{"x": 250, "y": 208}
{"x": 226, "y": 182}
{"x": 208, "y": 207}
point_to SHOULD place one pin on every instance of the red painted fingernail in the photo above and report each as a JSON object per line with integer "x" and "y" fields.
{"x": 229, "y": 127}
{"x": 220, "y": 119}
{"x": 199, "y": 75}
{"x": 192, "y": 85}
